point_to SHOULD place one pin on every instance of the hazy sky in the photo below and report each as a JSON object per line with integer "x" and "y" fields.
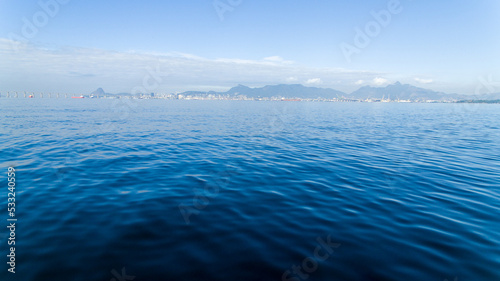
{"x": 76, "y": 46}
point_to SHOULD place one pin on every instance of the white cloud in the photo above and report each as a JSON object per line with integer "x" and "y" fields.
{"x": 81, "y": 70}
{"x": 277, "y": 59}
{"x": 379, "y": 81}
{"x": 314, "y": 81}
{"x": 359, "y": 82}
{"x": 424, "y": 81}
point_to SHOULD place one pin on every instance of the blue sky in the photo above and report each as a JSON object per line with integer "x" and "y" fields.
{"x": 166, "y": 46}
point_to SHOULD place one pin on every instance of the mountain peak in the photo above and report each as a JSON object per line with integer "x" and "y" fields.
{"x": 397, "y": 91}
{"x": 99, "y": 91}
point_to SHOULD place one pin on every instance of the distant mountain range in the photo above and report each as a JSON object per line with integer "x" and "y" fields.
{"x": 394, "y": 92}
{"x": 400, "y": 91}
{"x": 285, "y": 90}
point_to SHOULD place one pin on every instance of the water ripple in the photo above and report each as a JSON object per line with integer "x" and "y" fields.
{"x": 409, "y": 191}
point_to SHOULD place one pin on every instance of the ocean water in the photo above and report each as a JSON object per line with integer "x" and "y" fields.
{"x": 244, "y": 190}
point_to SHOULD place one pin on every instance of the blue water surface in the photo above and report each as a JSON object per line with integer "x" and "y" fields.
{"x": 246, "y": 190}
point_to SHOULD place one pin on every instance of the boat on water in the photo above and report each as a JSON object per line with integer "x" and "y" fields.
{"x": 80, "y": 97}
